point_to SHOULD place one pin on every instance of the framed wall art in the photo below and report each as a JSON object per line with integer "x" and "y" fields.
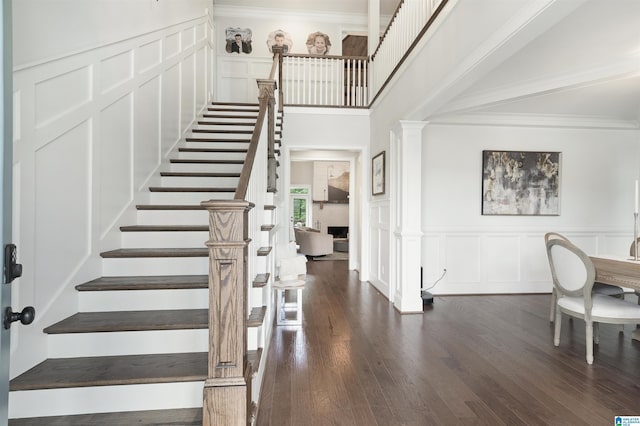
{"x": 377, "y": 174}
{"x": 521, "y": 183}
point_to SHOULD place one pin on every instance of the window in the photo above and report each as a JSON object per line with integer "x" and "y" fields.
{"x": 300, "y": 205}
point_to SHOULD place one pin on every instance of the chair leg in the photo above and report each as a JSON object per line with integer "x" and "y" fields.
{"x": 596, "y": 333}
{"x": 556, "y": 333}
{"x": 552, "y": 309}
{"x": 589, "y": 341}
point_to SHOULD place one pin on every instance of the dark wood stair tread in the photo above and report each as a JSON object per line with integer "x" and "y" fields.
{"x": 189, "y": 189}
{"x": 261, "y": 280}
{"x": 175, "y": 417}
{"x": 198, "y": 174}
{"x": 217, "y": 140}
{"x": 252, "y": 104}
{"x": 97, "y": 322}
{"x": 164, "y": 228}
{"x": 194, "y": 161}
{"x": 220, "y": 150}
{"x": 156, "y": 252}
{"x": 267, "y": 227}
{"x": 160, "y": 282}
{"x": 170, "y": 207}
{"x": 264, "y": 251}
{"x": 243, "y": 117}
{"x": 227, "y": 123}
{"x": 57, "y": 373}
{"x": 235, "y": 132}
{"x": 269, "y": 207}
{"x": 256, "y": 318}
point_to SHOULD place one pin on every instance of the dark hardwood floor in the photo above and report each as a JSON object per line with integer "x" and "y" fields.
{"x": 470, "y": 360}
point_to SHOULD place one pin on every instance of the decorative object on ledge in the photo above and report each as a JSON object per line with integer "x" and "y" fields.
{"x": 377, "y": 174}
{"x": 238, "y": 40}
{"x": 520, "y": 183}
{"x": 279, "y": 38}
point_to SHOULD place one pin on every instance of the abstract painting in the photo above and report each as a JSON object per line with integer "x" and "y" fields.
{"x": 520, "y": 183}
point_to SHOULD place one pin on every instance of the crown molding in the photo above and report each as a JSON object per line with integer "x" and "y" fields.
{"x": 275, "y": 13}
{"x": 537, "y": 120}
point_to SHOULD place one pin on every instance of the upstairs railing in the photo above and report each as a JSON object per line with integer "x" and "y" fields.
{"x": 339, "y": 81}
{"x": 233, "y": 226}
{"x": 345, "y": 81}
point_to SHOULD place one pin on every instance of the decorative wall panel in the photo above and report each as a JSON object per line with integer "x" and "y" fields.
{"x": 146, "y": 131}
{"x": 148, "y": 56}
{"x": 501, "y": 258}
{"x": 114, "y": 156}
{"x": 116, "y": 70}
{"x": 62, "y": 209}
{"x": 188, "y": 108}
{"x": 62, "y": 94}
{"x": 171, "y": 45}
{"x": 170, "y": 108}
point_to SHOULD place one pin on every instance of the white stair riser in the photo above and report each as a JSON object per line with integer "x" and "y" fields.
{"x": 155, "y": 266}
{"x": 196, "y": 167}
{"x": 143, "y": 300}
{"x": 214, "y": 145}
{"x": 173, "y": 217}
{"x": 164, "y": 239}
{"x": 220, "y": 135}
{"x": 187, "y": 198}
{"x": 127, "y": 343}
{"x": 103, "y": 399}
{"x": 208, "y": 125}
{"x": 212, "y": 155}
{"x": 193, "y": 181}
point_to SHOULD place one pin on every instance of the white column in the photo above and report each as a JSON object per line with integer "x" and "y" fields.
{"x": 406, "y": 200}
{"x": 374, "y": 26}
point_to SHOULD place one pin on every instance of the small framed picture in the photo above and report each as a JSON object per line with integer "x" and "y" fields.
{"x": 377, "y": 174}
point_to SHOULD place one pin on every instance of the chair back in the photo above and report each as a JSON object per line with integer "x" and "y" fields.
{"x": 571, "y": 269}
{"x": 632, "y": 249}
{"x": 554, "y": 235}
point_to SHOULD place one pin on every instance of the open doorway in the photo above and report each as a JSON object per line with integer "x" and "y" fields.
{"x": 321, "y": 189}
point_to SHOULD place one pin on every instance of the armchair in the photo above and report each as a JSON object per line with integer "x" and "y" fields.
{"x": 312, "y": 242}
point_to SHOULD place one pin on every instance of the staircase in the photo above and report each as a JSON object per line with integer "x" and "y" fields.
{"x": 136, "y": 352}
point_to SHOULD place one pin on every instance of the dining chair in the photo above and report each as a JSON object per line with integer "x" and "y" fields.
{"x": 606, "y": 289}
{"x": 573, "y": 276}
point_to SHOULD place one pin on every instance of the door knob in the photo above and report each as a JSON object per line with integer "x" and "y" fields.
{"x": 26, "y": 317}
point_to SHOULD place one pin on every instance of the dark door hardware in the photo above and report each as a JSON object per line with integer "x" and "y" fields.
{"x": 26, "y": 317}
{"x": 12, "y": 269}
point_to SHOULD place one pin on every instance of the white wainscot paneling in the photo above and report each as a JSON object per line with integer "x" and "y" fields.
{"x": 201, "y": 31}
{"x": 502, "y": 259}
{"x": 148, "y": 56}
{"x": 188, "y": 37}
{"x": 235, "y": 90}
{"x": 188, "y": 92}
{"x": 146, "y": 131}
{"x": 114, "y": 156}
{"x": 62, "y": 209}
{"x": 615, "y": 244}
{"x": 588, "y": 243}
{"x": 535, "y": 265}
{"x": 201, "y": 78}
{"x": 116, "y": 70}
{"x": 431, "y": 259}
{"x": 170, "y": 108}
{"x": 237, "y": 68}
{"x": 373, "y": 253}
{"x": 171, "y": 45}
{"x": 463, "y": 259}
{"x": 62, "y": 94}
{"x": 17, "y": 115}
{"x": 384, "y": 256}
{"x": 385, "y": 215}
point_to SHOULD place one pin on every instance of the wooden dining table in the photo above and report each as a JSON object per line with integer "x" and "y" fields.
{"x": 622, "y": 271}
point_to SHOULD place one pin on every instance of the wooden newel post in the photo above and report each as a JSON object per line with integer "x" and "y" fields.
{"x": 267, "y": 92}
{"x": 225, "y": 389}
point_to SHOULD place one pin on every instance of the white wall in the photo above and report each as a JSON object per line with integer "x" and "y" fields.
{"x": 238, "y": 72}
{"x": 333, "y": 135}
{"x": 102, "y": 94}
{"x": 505, "y": 254}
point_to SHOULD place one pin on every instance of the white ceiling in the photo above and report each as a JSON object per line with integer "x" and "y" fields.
{"x": 584, "y": 67}
{"x": 387, "y": 7}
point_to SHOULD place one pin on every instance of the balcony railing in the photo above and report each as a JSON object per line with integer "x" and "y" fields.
{"x": 325, "y": 80}
{"x": 345, "y": 81}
